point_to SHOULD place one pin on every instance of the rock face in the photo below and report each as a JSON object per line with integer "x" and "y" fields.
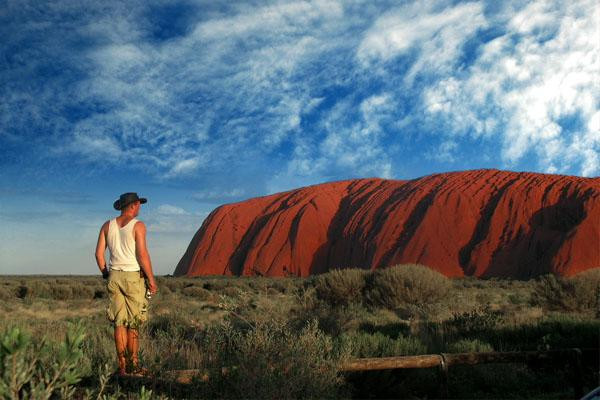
{"x": 484, "y": 223}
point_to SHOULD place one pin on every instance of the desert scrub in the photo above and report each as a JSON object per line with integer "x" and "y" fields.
{"x": 7, "y": 292}
{"x": 39, "y": 369}
{"x": 82, "y": 291}
{"x": 197, "y": 292}
{"x": 469, "y": 346}
{"x": 476, "y": 321}
{"x": 334, "y": 320}
{"x": 578, "y": 293}
{"x": 341, "y": 286}
{"x": 62, "y": 292}
{"x": 272, "y": 361}
{"x": 363, "y": 344}
{"x": 400, "y": 285}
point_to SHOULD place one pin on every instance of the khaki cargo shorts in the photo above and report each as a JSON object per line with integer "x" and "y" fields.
{"x": 128, "y": 305}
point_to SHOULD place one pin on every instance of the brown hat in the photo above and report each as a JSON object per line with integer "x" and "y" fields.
{"x": 128, "y": 198}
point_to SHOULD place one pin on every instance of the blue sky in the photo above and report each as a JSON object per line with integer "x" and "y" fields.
{"x": 198, "y": 103}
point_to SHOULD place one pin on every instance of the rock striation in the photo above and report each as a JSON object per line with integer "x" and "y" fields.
{"x": 484, "y": 223}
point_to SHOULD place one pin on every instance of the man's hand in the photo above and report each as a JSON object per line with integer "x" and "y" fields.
{"x": 105, "y": 273}
{"x": 152, "y": 286}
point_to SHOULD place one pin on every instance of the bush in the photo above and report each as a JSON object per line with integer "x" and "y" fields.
{"x": 475, "y": 321}
{"x": 7, "y": 293}
{"x": 470, "y": 346}
{"x": 82, "y": 291}
{"x": 579, "y": 293}
{"x": 38, "y": 289}
{"x": 401, "y": 285}
{"x": 334, "y": 320}
{"x": 169, "y": 325}
{"x": 231, "y": 291}
{"x": 197, "y": 293}
{"x": 61, "y": 292}
{"x": 341, "y": 286}
{"x": 38, "y": 370}
{"x": 174, "y": 284}
{"x": 362, "y": 344}
{"x": 272, "y": 361}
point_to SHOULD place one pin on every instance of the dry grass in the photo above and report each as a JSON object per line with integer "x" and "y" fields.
{"x": 188, "y": 315}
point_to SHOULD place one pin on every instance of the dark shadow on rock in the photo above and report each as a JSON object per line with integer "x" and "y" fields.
{"x": 532, "y": 253}
{"x": 481, "y": 230}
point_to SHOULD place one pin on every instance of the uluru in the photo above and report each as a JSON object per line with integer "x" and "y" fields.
{"x": 483, "y": 223}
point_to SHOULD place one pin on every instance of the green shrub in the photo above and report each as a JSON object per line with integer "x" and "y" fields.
{"x": 39, "y": 289}
{"x": 341, "y": 286}
{"x": 7, "y": 293}
{"x": 469, "y": 346}
{"x": 476, "y": 321}
{"x": 197, "y": 292}
{"x": 363, "y": 344}
{"x": 400, "y": 285}
{"x": 165, "y": 290}
{"x": 282, "y": 285}
{"x": 579, "y": 293}
{"x": 272, "y": 361}
{"x": 61, "y": 292}
{"x": 169, "y": 325}
{"x": 39, "y": 370}
{"x": 82, "y": 291}
{"x": 231, "y": 291}
{"x": 587, "y": 289}
{"x": 334, "y": 320}
{"x": 174, "y": 284}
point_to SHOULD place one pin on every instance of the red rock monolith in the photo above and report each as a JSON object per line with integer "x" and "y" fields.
{"x": 483, "y": 223}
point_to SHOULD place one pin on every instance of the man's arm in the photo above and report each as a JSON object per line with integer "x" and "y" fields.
{"x": 100, "y": 249}
{"x": 141, "y": 253}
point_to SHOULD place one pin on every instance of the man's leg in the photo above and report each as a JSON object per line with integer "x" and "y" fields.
{"x": 121, "y": 346}
{"x": 133, "y": 345}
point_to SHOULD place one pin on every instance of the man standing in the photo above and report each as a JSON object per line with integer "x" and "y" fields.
{"x": 125, "y": 238}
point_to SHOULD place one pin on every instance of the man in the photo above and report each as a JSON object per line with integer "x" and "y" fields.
{"x": 125, "y": 238}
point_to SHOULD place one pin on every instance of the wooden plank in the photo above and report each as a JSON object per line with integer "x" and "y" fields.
{"x": 435, "y": 360}
{"x": 373, "y": 364}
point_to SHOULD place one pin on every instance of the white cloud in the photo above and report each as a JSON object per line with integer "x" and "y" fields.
{"x": 239, "y": 67}
{"x": 168, "y": 218}
{"x": 218, "y": 195}
{"x": 167, "y": 209}
{"x": 310, "y": 90}
{"x": 349, "y": 144}
{"x": 549, "y": 74}
{"x": 445, "y": 152}
{"x": 186, "y": 166}
{"x": 437, "y": 32}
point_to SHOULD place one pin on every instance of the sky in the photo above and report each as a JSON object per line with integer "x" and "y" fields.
{"x": 194, "y": 104}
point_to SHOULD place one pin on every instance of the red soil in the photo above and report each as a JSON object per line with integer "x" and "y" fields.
{"x": 485, "y": 223}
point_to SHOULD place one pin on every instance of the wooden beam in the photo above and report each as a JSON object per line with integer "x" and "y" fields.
{"x": 373, "y": 364}
{"x": 435, "y": 360}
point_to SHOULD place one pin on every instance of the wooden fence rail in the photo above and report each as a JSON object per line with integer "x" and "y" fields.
{"x": 438, "y": 360}
{"x": 572, "y": 358}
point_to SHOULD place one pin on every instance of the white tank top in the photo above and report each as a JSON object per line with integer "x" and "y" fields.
{"x": 121, "y": 244}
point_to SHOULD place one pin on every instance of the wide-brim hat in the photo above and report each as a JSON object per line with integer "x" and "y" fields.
{"x": 128, "y": 198}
